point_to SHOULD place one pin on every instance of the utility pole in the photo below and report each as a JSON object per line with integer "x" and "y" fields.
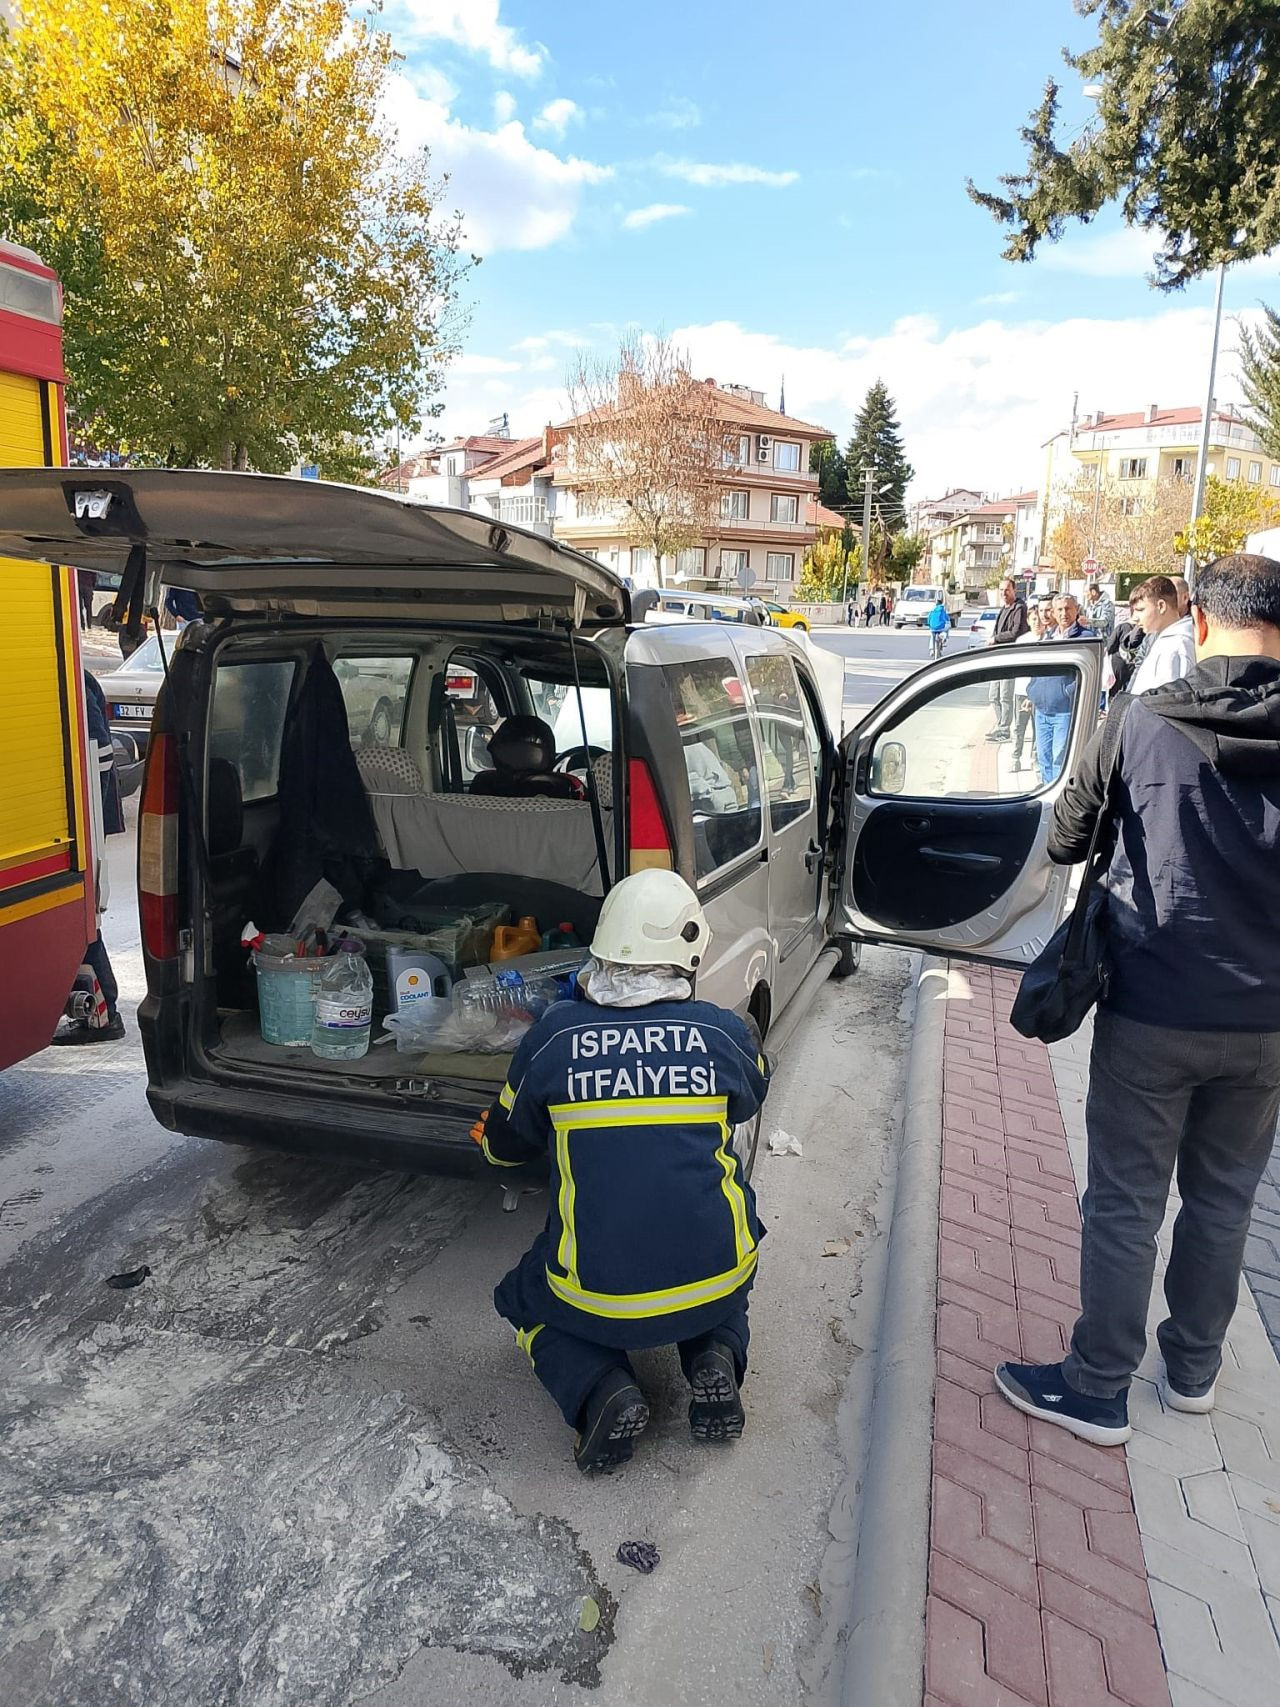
{"x": 868, "y": 475}
{"x": 1202, "y": 464}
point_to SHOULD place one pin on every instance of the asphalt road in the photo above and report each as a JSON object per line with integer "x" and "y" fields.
{"x": 877, "y": 659}
{"x": 303, "y": 1464}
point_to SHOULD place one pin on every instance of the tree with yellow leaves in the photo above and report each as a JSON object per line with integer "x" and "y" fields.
{"x": 254, "y": 276}
{"x": 1232, "y": 511}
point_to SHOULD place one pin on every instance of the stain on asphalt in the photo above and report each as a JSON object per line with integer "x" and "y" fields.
{"x": 205, "y": 1498}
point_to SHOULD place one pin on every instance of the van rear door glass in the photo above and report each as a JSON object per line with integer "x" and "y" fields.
{"x": 784, "y": 739}
{"x": 246, "y": 723}
{"x": 719, "y": 758}
{"x": 375, "y": 691}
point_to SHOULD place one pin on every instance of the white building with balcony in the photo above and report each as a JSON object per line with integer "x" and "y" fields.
{"x": 1154, "y": 444}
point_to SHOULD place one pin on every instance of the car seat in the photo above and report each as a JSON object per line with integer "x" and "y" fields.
{"x": 523, "y": 751}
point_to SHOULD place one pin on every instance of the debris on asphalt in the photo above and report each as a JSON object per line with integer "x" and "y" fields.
{"x": 767, "y": 1658}
{"x": 642, "y": 1556}
{"x": 589, "y": 1617}
{"x": 130, "y": 1277}
{"x": 836, "y": 1247}
{"x": 783, "y": 1144}
{"x": 510, "y": 1200}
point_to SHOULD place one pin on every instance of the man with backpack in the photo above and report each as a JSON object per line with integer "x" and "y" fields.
{"x": 1185, "y": 1068}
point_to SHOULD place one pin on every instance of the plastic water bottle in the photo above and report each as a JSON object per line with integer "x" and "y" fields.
{"x": 344, "y": 1009}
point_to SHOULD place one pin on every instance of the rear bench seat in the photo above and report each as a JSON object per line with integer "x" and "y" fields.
{"x": 448, "y": 835}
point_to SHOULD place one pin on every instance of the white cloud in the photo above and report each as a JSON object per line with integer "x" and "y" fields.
{"x": 557, "y": 116}
{"x": 474, "y": 364}
{"x": 475, "y": 26}
{"x": 710, "y": 177}
{"x": 504, "y": 107}
{"x": 999, "y": 298}
{"x": 639, "y": 217}
{"x": 1128, "y": 254}
{"x": 677, "y": 112}
{"x": 512, "y": 193}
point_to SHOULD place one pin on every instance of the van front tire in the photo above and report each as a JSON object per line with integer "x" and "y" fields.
{"x": 849, "y": 960}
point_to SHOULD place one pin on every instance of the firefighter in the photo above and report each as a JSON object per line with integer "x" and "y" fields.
{"x": 652, "y": 1233}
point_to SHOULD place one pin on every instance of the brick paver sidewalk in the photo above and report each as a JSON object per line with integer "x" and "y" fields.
{"x": 1046, "y": 1587}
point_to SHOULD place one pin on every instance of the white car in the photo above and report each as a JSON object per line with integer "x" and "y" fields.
{"x": 982, "y": 628}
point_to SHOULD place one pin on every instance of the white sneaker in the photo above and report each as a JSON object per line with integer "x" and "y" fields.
{"x": 1195, "y": 1404}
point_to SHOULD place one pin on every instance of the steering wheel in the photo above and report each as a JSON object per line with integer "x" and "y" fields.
{"x": 578, "y": 758}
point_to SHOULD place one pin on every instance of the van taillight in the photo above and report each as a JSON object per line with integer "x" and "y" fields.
{"x": 650, "y": 840}
{"x": 158, "y": 850}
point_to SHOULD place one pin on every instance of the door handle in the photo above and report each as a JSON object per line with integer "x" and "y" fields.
{"x": 960, "y": 861}
{"x": 813, "y": 853}
{"x": 917, "y": 826}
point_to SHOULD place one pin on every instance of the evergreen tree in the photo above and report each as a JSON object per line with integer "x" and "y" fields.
{"x": 1184, "y": 141}
{"x": 877, "y": 442}
{"x": 827, "y": 463}
{"x": 1260, "y": 378}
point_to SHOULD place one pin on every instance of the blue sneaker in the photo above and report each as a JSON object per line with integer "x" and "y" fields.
{"x": 1041, "y": 1390}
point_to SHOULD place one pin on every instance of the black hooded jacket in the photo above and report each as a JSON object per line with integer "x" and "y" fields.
{"x": 1193, "y": 888}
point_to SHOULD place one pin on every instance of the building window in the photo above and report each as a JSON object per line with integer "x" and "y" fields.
{"x": 641, "y": 563}
{"x": 1275, "y": 474}
{"x": 739, "y": 454}
{"x": 786, "y": 457}
{"x": 1233, "y": 468}
{"x": 1133, "y": 468}
{"x": 783, "y": 508}
{"x": 1130, "y": 506}
{"x": 735, "y": 506}
{"x": 691, "y": 562}
{"x": 732, "y": 563}
{"x": 1255, "y": 472}
{"x": 780, "y": 566}
{"x": 1182, "y": 468}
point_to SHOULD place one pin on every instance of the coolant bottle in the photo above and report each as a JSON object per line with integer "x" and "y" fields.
{"x": 344, "y": 1009}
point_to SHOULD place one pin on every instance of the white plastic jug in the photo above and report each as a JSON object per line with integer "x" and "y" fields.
{"x": 419, "y": 986}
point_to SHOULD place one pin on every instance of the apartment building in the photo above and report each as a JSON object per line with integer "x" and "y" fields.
{"x": 766, "y": 522}
{"x": 988, "y": 539}
{"x": 492, "y": 474}
{"x": 931, "y": 515}
{"x": 1146, "y": 446}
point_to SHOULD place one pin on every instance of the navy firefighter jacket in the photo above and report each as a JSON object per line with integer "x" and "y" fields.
{"x": 650, "y": 1219}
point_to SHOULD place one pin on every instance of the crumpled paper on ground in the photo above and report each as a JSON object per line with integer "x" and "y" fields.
{"x": 784, "y": 1144}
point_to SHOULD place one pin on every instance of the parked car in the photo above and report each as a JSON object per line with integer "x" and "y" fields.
{"x": 131, "y": 700}
{"x": 719, "y": 607}
{"x": 784, "y": 617}
{"x": 709, "y": 746}
{"x": 982, "y": 627}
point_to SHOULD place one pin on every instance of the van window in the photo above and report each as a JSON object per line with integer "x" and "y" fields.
{"x": 246, "y": 722}
{"x": 784, "y": 741}
{"x": 720, "y": 760}
{"x": 374, "y": 691}
{"x": 476, "y": 715}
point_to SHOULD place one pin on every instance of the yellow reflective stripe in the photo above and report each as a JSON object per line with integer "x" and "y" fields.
{"x": 567, "y": 1255}
{"x": 506, "y": 1098}
{"x": 525, "y": 1338}
{"x": 762, "y": 1064}
{"x": 497, "y": 1161}
{"x": 737, "y": 1200}
{"x": 627, "y": 1305}
{"x": 639, "y": 1111}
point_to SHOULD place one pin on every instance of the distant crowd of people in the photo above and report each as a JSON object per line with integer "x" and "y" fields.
{"x": 877, "y": 609}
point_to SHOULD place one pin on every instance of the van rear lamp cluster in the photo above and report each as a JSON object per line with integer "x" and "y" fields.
{"x": 158, "y": 850}
{"x": 650, "y": 840}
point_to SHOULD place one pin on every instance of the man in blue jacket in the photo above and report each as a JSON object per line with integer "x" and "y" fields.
{"x": 652, "y": 1234}
{"x": 938, "y": 623}
{"x": 1052, "y": 697}
{"x": 1185, "y": 1069}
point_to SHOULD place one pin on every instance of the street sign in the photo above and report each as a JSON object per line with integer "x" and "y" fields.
{"x": 1090, "y": 566}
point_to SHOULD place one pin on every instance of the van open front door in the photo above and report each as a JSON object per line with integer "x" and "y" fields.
{"x": 946, "y": 821}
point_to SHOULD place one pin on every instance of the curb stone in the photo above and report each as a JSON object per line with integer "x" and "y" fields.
{"x": 884, "y": 1662}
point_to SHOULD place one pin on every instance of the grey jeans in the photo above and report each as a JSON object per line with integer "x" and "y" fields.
{"x": 1204, "y": 1102}
{"x": 1000, "y": 693}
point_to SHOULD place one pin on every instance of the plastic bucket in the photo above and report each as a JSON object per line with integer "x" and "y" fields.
{"x": 287, "y": 998}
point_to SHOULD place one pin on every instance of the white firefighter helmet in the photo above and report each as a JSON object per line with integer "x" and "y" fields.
{"x": 652, "y": 918}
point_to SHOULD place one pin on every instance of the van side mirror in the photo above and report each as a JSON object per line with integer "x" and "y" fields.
{"x": 889, "y": 768}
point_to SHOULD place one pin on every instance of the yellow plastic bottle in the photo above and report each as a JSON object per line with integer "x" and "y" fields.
{"x": 523, "y": 937}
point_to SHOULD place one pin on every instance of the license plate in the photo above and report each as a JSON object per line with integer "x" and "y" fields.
{"x": 129, "y": 713}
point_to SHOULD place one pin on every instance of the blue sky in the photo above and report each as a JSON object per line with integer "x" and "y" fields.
{"x": 782, "y": 189}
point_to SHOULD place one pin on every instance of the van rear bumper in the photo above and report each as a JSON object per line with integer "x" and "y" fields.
{"x": 430, "y": 1140}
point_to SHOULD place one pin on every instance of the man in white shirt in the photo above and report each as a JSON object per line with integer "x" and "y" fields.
{"x": 1172, "y": 651}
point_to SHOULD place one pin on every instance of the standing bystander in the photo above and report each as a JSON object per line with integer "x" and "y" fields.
{"x": 1172, "y": 649}
{"x": 1185, "y": 1068}
{"x": 1010, "y": 625}
{"x": 1052, "y": 696}
{"x": 1099, "y": 611}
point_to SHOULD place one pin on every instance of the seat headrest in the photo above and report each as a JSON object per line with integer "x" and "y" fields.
{"x": 388, "y": 770}
{"x": 226, "y": 808}
{"x": 524, "y": 746}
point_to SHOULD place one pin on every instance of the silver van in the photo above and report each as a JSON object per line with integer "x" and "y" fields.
{"x": 333, "y": 714}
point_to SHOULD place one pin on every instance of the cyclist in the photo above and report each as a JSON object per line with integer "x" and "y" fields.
{"x": 939, "y": 628}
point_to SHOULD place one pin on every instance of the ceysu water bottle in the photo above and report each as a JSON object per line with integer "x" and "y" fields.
{"x": 344, "y": 1009}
